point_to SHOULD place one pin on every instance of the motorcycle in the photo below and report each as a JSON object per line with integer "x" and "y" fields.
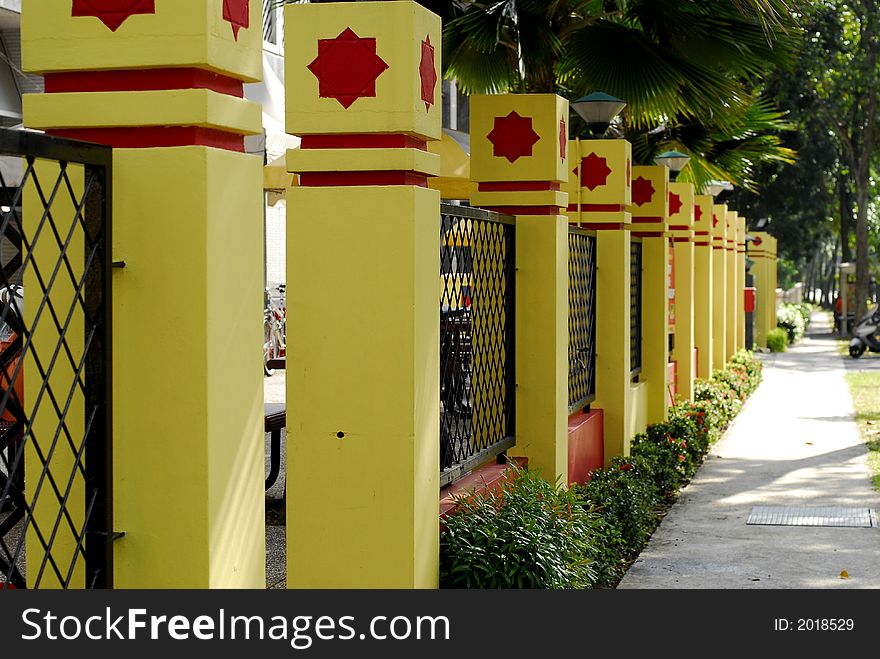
{"x": 866, "y": 335}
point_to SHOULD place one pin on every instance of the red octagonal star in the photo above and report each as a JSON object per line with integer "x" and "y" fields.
{"x": 594, "y": 171}
{"x": 427, "y": 73}
{"x": 347, "y": 67}
{"x": 698, "y": 213}
{"x": 237, "y": 12}
{"x": 513, "y": 137}
{"x": 674, "y": 204}
{"x": 112, "y": 13}
{"x": 642, "y": 192}
{"x": 714, "y": 220}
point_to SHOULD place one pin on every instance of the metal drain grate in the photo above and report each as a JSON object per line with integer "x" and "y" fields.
{"x": 800, "y": 516}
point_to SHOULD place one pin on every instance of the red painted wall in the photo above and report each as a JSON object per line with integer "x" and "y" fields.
{"x": 586, "y": 444}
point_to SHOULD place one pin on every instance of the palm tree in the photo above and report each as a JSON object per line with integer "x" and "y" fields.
{"x": 688, "y": 70}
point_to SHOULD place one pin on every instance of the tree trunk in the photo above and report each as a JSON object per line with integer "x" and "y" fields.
{"x": 862, "y": 273}
{"x": 845, "y": 199}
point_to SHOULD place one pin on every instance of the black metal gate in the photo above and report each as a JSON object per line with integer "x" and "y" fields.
{"x": 55, "y": 376}
{"x": 477, "y": 386}
{"x": 581, "y": 318}
{"x": 635, "y": 308}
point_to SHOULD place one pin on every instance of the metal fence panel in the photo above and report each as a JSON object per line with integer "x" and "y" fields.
{"x": 55, "y": 380}
{"x": 476, "y": 338}
{"x": 581, "y": 318}
{"x": 635, "y": 300}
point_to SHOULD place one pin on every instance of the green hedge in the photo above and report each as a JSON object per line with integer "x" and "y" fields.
{"x": 794, "y": 319}
{"x": 777, "y": 340}
{"x": 532, "y": 534}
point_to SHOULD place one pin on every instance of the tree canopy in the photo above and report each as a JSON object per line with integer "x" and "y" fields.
{"x": 689, "y": 71}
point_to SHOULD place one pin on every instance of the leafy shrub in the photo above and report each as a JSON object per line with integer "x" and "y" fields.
{"x": 722, "y": 402}
{"x": 527, "y": 534}
{"x": 669, "y": 452}
{"x": 805, "y": 310}
{"x": 624, "y": 497}
{"x": 790, "y": 317}
{"x": 740, "y": 378}
{"x": 777, "y": 339}
{"x": 706, "y": 431}
{"x": 531, "y": 534}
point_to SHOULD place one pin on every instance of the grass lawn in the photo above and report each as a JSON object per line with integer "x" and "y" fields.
{"x": 865, "y": 389}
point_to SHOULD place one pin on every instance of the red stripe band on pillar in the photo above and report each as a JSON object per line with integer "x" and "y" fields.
{"x": 344, "y": 179}
{"x": 679, "y": 227}
{"x": 701, "y": 244}
{"x": 363, "y": 141}
{"x": 701, "y": 233}
{"x": 598, "y": 208}
{"x": 647, "y": 220}
{"x": 518, "y": 186}
{"x": 155, "y": 136}
{"x": 718, "y": 248}
{"x": 140, "y": 80}
{"x": 676, "y": 239}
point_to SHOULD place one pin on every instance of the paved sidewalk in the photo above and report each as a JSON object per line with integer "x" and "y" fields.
{"x": 794, "y": 444}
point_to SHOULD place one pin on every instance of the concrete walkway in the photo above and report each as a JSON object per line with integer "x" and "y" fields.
{"x": 794, "y": 444}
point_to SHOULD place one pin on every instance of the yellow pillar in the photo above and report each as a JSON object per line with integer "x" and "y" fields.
{"x": 741, "y": 281}
{"x": 600, "y": 189}
{"x": 363, "y": 245}
{"x": 703, "y": 286}
{"x": 719, "y": 286}
{"x": 760, "y": 255}
{"x": 774, "y": 272}
{"x": 733, "y": 309}
{"x": 650, "y": 213}
{"x": 681, "y": 227}
{"x": 187, "y": 208}
{"x": 519, "y": 160}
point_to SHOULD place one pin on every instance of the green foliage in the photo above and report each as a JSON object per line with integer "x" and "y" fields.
{"x": 624, "y": 497}
{"x": 530, "y": 534}
{"x": 527, "y": 534}
{"x": 742, "y": 374}
{"x": 793, "y": 319}
{"x": 777, "y": 339}
{"x": 707, "y": 429}
{"x": 688, "y": 73}
{"x": 721, "y": 399}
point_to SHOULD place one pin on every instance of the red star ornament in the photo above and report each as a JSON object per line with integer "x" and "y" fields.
{"x": 594, "y": 171}
{"x": 698, "y": 213}
{"x": 513, "y": 137}
{"x": 112, "y": 13}
{"x": 563, "y": 139}
{"x": 642, "y": 192}
{"x": 237, "y": 13}
{"x": 427, "y": 73}
{"x": 674, "y": 204}
{"x": 714, "y": 220}
{"x": 347, "y": 67}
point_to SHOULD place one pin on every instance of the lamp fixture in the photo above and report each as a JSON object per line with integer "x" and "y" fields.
{"x": 674, "y": 160}
{"x": 715, "y": 188}
{"x": 598, "y": 110}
